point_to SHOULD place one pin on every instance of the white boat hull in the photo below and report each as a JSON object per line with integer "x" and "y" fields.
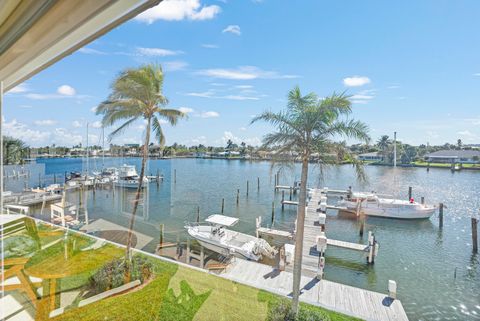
{"x": 392, "y": 209}
{"x": 220, "y": 246}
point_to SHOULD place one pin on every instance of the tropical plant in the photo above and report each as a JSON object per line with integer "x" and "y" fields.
{"x": 309, "y": 125}
{"x": 137, "y": 95}
{"x": 383, "y": 143}
{"x": 14, "y": 149}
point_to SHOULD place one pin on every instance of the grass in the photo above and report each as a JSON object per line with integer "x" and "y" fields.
{"x": 444, "y": 165}
{"x": 174, "y": 293}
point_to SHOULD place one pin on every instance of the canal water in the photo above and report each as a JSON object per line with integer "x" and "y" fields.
{"x": 438, "y": 277}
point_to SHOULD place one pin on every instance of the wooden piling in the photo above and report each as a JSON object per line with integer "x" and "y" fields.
{"x": 290, "y": 193}
{"x": 238, "y": 196}
{"x": 247, "y": 188}
{"x": 422, "y": 200}
{"x": 409, "y": 193}
{"x": 162, "y": 227}
{"x": 223, "y": 204}
{"x": 158, "y": 178}
{"x": 174, "y": 176}
{"x": 273, "y": 212}
{"x": 362, "y": 225}
{"x": 474, "y": 235}
{"x": 198, "y": 214}
{"x": 283, "y": 199}
{"x": 54, "y": 179}
{"x": 258, "y": 183}
{"x": 440, "y": 215}
{"x": 39, "y": 181}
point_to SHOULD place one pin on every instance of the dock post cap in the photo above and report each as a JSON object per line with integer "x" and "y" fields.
{"x": 322, "y": 218}
{"x": 392, "y": 289}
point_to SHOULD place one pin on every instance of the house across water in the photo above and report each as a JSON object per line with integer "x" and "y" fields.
{"x": 454, "y": 156}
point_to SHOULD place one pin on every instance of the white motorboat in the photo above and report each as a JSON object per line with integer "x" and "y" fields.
{"x": 216, "y": 237}
{"x": 128, "y": 177}
{"x": 372, "y": 205}
{"x": 107, "y": 175}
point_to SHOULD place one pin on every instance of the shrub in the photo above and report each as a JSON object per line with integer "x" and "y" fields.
{"x": 112, "y": 274}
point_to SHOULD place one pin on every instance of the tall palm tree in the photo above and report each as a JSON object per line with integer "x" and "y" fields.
{"x": 383, "y": 143}
{"x": 308, "y": 125}
{"x": 136, "y": 95}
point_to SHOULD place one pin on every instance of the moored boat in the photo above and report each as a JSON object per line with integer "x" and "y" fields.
{"x": 128, "y": 177}
{"x": 216, "y": 237}
{"x": 372, "y": 205}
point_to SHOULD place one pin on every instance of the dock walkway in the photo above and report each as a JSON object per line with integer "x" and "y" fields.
{"x": 338, "y": 297}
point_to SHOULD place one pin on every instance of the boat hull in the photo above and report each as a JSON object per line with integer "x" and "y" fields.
{"x": 396, "y": 211}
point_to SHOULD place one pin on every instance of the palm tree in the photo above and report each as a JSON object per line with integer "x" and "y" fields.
{"x": 136, "y": 95}
{"x": 308, "y": 126}
{"x": 383, "y": 143}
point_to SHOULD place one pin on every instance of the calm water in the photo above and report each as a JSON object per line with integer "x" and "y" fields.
{"x": 438, "y": 277}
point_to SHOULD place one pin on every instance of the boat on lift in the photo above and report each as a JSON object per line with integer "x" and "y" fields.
{"x": 128, "y": 177}
{"x": 372, "y": 204}
{"x": 215, "y": 236}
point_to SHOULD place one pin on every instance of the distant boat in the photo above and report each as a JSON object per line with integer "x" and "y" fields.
{"x": 214, "y": 236}
{"x": 372, "y": 205}
{"x": 107, "y": 175}
{"x": 128, "y": 177}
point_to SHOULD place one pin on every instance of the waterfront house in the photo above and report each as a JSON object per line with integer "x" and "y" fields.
{"x": 374, "y": 156}
{"x": 454, "y": 156}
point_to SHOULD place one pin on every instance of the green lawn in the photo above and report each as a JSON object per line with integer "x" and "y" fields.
{"x": 173, "y": 293}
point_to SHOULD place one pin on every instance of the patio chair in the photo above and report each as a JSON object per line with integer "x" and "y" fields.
{"x": 14, "y": 278}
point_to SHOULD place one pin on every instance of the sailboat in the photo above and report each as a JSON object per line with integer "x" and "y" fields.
{"x": 128, "y": 177}
{"x": 216, "y": 237}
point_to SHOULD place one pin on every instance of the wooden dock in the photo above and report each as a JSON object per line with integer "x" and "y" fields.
{"x": 356, "y": 302}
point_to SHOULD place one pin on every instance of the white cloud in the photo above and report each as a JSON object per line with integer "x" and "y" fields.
{"x": 356, "y": 81}
{"x": 209, "y": 114}
{"x": 235, "y": 29}
{"x": 45, "y": 122}
{"x": 239, "y": 97}
{"x": 18, "y": 89}
{"x": 466, "y": 133}
{"x": 65, "y": 137}
{"x": 227, "y": 135}
{"x": 157, "y": 52}
{"x": 243, "y": 128}
{"x": 174, "y": 65}
{"x": 362, "y": 97}
{"x": 23, "y": 132}
{"x": 477, "y": 74}
{"x": 175, "y": 10}
{"x": 96, "y": 124}
{"x": 186, "y": 110}
{"x": 90, "y": 51}
{"x": 244, "y": 86}
{"x": 76, "y": 124}
{"x": 243, "y": 73}
{"x": 199, "y": 140}
{"x": 210, "y": 46}
{"x": 212, "y": 94}
{"x": 66, "y": 90}
{"x": 393, "y": 87}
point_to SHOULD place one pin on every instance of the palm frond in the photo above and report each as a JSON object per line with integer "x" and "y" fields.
{"x": 171, "y": 115}
{"x": 120, "y": 129}
{"x": 158, "y": 132}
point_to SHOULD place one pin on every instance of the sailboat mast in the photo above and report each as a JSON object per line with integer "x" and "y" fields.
{"x": 103, "y": 147}
{"x": 87, "y": 151}
{"x": 394, "y": 149}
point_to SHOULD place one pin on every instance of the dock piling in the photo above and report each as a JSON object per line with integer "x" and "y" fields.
{"x": 475, "y": 234}
{"x": 409, "y": 193}
{"x": 238, "y": 196}
{"x": 362, "y": 225}
{"x": 290, "y": 193}
{"x": 198, "y": 214}
{"x": 258, "y": 183}
{"x": 283, "y": 199}
{"x": 273, "y": 212}
{"x": 422, "y": 200}
{"x": 162, "y": 227}
{"x": 247, "y": 187}
{"x": 223, "y": 204}
{"x": 440, "y": 215}
{"x": 175, "y": 176}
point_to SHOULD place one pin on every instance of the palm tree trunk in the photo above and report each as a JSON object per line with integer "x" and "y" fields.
{"x": 297, "y": 261}
{"x": 137, "y": 199}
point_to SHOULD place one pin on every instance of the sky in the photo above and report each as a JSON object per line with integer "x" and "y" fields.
{"x": 410, "y": 66}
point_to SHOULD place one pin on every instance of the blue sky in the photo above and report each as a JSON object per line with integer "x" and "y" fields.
{"x": 411, "y": 66}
